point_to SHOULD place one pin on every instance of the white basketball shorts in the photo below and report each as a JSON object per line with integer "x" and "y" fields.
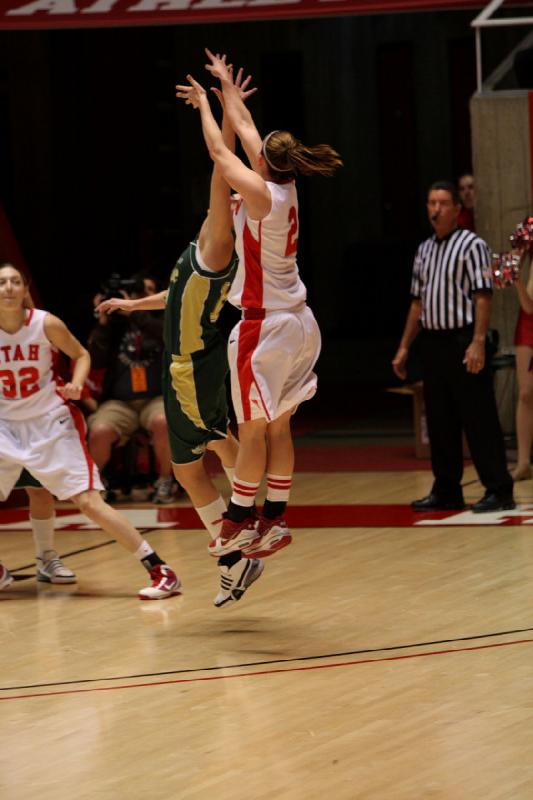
{"x": 53, "y": 449}
{"x": 271, "y": 362}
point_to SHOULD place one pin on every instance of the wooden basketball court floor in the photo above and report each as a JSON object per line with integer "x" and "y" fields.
{"x": 383, "y": 655}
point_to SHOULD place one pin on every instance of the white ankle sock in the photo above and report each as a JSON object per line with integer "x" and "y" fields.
{"x": 43, "y": 535}
{"x": 211, "y": 516}
{"x": 143, "y": 550}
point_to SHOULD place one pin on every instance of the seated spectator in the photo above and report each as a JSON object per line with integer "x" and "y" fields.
{"x": 465, "y": 219}
{"x": 128, "y": 349}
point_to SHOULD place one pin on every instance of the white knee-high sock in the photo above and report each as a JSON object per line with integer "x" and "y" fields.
{"x": 244, "y": 492}
{"x": 279, "y": 488}
{"x": 43, "y": 534}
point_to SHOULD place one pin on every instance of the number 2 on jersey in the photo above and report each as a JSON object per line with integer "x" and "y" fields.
{"x": 292, "y": 237}
{"x": 29, "y": 382}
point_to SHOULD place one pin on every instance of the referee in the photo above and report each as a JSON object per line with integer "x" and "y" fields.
{"x": 451, "y": 291}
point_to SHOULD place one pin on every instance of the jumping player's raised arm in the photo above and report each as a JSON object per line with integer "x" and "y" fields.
{"x": 239, "y": 117}
{"x": 216, "y": 239}
{"x": 240, "y": 177}
{"x": 216, "y": 236}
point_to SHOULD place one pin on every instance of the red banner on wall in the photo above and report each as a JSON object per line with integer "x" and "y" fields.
{"x": 24, "y": 14}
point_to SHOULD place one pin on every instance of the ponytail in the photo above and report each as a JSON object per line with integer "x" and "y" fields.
{"x": 286, "y": 156}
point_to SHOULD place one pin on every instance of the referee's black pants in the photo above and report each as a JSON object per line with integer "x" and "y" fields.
{"x": 456, "y": 401}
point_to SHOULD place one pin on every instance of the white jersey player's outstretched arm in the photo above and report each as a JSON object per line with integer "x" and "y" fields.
{"x": 239, "y": 116}
{"x": 244, "y": 180}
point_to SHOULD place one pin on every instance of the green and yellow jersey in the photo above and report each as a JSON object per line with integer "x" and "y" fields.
{"x": 196, "y": 362}
{"x": 194, "y": 300}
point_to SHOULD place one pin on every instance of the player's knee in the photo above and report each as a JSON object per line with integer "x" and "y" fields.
{"x": 101, "y": 432}
{"x": 87, "y": 501}
{"x": 190, "y": 476}
{"x": 279, "y": 430}
{"x": 526, "y": 395}
{"x": 158, "y": 424}
{"x": 251, "y": 432}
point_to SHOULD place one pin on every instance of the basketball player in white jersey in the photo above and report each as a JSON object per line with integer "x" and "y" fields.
{"x": 41, "y": 431}
{"x": 41, "y": 509}
{"x": 273, "y": 349}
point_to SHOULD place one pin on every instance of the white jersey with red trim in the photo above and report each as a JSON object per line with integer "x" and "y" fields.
{"x": 27, "y": 358}
{"x": 267, "y": 276}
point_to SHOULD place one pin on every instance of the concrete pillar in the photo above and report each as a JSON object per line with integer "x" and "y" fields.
{"x": 501, "y": 148}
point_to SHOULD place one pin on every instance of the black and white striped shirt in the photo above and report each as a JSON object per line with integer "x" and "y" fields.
{"x": 446, "y": 273}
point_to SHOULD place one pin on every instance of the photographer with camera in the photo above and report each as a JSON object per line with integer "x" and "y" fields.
{"x": 128, "y": 348}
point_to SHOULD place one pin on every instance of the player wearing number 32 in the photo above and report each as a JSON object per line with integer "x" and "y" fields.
{"x": 41, "y": 431}
{"x": 273, "y": 349}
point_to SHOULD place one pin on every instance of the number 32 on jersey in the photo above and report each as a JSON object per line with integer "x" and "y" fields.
{"x": 19, "y": 384}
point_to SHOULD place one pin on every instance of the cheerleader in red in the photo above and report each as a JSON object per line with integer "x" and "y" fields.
{"x": 524, "y": 362}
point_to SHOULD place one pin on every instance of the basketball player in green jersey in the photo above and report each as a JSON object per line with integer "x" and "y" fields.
{"x": 195, "y": 366}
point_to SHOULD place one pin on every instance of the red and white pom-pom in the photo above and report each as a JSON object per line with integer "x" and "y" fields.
{"x": 505, "y": 269}
{"x": 522, "y": 236}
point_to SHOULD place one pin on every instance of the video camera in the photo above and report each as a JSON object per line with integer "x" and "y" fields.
{"x": 114, "y": 286}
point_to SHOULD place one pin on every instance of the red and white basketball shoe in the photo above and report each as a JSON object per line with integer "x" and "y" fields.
{"x": 233, "y": 536}
{"x": 273, "y": 536}
{"x": 165, "y": 583}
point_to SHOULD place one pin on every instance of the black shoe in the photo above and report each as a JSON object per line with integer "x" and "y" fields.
{"x": 435, "y": 503}
{"x": 494, "y": 502}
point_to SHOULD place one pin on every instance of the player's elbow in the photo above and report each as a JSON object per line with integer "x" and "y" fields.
{"x": 217, "y": 151}
{"x": 82, "y": 353}
{"x": 224, "y": 167}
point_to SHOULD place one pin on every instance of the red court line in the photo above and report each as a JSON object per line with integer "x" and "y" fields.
{"x": 363, "y": 515}
{"x": 270, "y": 671}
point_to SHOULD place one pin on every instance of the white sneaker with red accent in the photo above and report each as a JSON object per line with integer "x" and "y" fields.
{"x": 165, "y": 583}
{"x": 273, "y": 536}
{"x": 6, "y": 578}
{"x": 233, "y": 536}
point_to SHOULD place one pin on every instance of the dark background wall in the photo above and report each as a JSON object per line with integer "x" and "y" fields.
{"x": 102, "y": 170}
